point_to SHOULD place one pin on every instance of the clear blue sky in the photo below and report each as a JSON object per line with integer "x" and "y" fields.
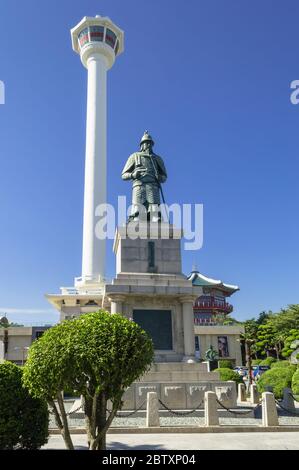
{"x": 211, "y": 81}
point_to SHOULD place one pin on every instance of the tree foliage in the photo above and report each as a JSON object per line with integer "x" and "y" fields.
{"x": 99, "y": 355}
{"x": 287, "y": 320}
{"x": 225, "y": 364}
{"x": 269, "y": 333}
{"x": 23, "y": 419}
{"x": 267, "y": 338}
{"x": 268, "y": 361}
{"x": 256, "y": 362}
{"x": 4, "y": 323}
{"x": 282, "y": 364}
{"x": 292, "y": 336}
{"x": 263, "y": 317}
{"x": 295, "y": 383}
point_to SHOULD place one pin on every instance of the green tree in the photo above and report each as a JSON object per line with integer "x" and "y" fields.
{"x": 23, "y": 419}
{"x": 287, "y": 320}
{"x": 263, "y": 317}
{"x": 228, "y": 320}
{"x": 5, "y": 323}
{"x": 99, "y": 355}
{"x": 295, "y": 383}
{"x": 249, "y": 339}
{"x": 222, "y": 319}
{"x": 293, "y": 336}
{"x": 269, "y": 338}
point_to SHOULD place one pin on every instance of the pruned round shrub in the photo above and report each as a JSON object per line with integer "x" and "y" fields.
{"x": 225, "y": 364}
{"x": 98, "y": 355}
{"x": 283, "y": 364}
{"x": 268, "y": 361}
{"x": 277, "y": 378}
{"x": 229, "y": 374}
{"x": 23, "y": 419}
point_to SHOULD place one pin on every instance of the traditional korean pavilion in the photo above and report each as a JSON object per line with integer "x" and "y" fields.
{"x": 211, "y": 307}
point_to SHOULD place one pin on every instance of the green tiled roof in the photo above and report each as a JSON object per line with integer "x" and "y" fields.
{"x": 199, "y": 279}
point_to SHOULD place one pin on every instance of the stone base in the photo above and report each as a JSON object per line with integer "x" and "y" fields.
{"x": 179, "y": 386}
{"x": 178, "y": 395}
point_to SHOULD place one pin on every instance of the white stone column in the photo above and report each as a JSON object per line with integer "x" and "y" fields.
{"x": 269, "y": 410}
{"x": 152, "y": 410}
{"x": 93, "y": 256}
{"x": 211, "y": 409}
{"x": 254, "y": 394}
{"x": 188, "y": 326}
{"x": 117, "y": 304}
{"x": 241, "y": 392}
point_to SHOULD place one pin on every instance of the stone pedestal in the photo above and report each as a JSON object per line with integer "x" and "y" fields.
{"x": 151, "y": 289}
{"x": 178, "y": 385}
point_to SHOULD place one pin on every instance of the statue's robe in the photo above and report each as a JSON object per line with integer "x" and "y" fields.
{"x": 146, "y": 189}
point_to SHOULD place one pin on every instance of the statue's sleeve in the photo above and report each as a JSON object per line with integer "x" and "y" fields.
{"x": 161, "y": 170}
{"x": 128, "y": 168}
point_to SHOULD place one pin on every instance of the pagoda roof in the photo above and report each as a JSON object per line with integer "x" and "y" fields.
{"x": 199, "y": 279}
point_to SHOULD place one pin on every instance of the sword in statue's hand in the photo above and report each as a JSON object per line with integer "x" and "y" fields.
{"x": 159, "y": 184}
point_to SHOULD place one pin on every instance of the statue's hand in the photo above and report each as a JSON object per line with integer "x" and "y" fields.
{"x": 136, "y": 174}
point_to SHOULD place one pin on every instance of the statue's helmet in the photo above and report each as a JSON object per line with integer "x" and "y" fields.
{"x": 146, "y": 138}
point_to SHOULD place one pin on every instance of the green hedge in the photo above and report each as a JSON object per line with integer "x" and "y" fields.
{"x": 23, "y": 420}
{"x": 229, "y": 374}
{"x": 278, "y": 378}
{"x": 268, "y": 361}
{"x": 295, "y": 383}
{"x": 283, "y": 364}
{"x": 225, "y": 364}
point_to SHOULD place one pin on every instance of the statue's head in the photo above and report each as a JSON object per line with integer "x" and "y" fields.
{"x": 146, "y": 142}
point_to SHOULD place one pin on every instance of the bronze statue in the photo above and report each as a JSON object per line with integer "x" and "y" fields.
{"x": 147, "y": 171}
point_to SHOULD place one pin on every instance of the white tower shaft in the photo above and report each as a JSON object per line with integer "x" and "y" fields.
{"x": 95, "y": 190}
{"x": 99, "y": 42}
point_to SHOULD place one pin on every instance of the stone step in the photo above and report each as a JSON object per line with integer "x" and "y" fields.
{"x": 179, "y": 367}
{"x": 180, "y": 376}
